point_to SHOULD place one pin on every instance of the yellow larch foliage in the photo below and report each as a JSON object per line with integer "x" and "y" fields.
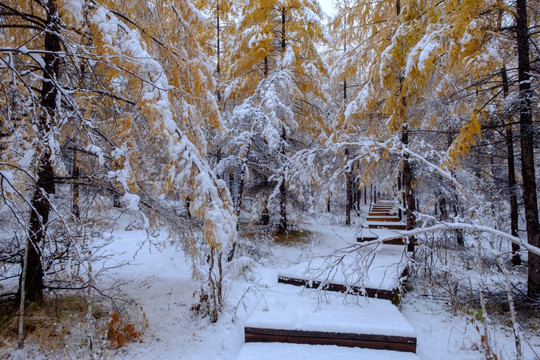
{"x": 417, "y": 50}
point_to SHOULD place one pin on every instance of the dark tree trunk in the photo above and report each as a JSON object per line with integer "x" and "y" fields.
{"x": 349, "y": 192}
{"x": 400, "y": 187}
{"x": 526, "y": 132}
{"x": 408, "y": 187}
{"x": 75, "y": 188}
{"x": 328, "y": 207}
{"x": 218, "y": 49}
{"x": 283, "y": 207}
{"x": 41, "y": 206}
{"x": 283, "y": 189}
{"x": 455, "y": 206}
{"x": 241, "y": 184}
{"x": 358, "y": 196}
{"x": 442, "y": 208}
{"x": 516, "y": 259}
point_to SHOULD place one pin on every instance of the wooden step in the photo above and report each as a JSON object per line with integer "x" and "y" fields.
{"x": 369, "y": 341}
{"x": 300, "y": 317}
{"x": 379, "y": 213}
{"x": 388, "y": 242}
{"x": 381, "y": 280}
{"x": 381, "y": 209}
{"x": 384, "y": 218}
{"x": 311, "y": 284}
{"x": 387, "y": 225}
{"x": 282, "y": 351}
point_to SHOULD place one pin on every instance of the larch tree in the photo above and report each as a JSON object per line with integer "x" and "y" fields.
{"x": 527, "y": 131}
{"x": 95, "y": 81}
{"x": 447, "y": 52}
{"x": 274, "y": 77}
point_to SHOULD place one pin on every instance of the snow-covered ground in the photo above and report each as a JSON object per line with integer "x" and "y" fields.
{"x": 159, "y": 279}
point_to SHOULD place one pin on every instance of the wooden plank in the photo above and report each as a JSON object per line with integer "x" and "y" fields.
{"x": 371, "y": 341}
{"x": 398, "y": 241}
{"x": 366, "y": 238}
{"x": 369, "y": 292}
{"x": 384, "y": 218}
{"x": 290, "y": 351}
{"x": 393, "y": 226}
{"x": 378, "y": 214}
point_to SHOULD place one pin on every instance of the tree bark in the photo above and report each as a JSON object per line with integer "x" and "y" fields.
{"x": 283, "y": 207}
{"x": 526, "y": 132}
{"x": 41, "y": 206}
{"x": 75, "y": 188}
{"x": 349, "y": 190}
{"x": 516, "y": 259}
{"x": 408, "y": 187}
{"x": 283, "y": 189}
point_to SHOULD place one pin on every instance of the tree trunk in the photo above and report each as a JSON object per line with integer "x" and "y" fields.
{"x": 41, "y": 206}
{"x": 526, "y": 132}
{"x": 283, "y": 207}
{"x": 349, "y": 190}
{"x": 241, "y": 183}
{"x": 75, "y": 188}
{"x": 516, "y": 259}
{"x": 283, "y": 189}
{"x": 408, "y": 187}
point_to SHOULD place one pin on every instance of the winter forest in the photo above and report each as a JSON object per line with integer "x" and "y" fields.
{"x": 164, "y": 164}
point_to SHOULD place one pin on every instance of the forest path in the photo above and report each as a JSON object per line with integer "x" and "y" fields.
{"x": 302, "y": 323}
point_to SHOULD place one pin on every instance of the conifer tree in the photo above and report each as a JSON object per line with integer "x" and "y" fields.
{"x": 274, "y": 76}
{"x": 95, "y": 82}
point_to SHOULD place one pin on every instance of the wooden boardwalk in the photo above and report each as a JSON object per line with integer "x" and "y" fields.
{"x": 381, "y": 216}
{"x": 311, "y": 319}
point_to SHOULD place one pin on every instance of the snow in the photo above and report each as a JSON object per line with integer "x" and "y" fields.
{"x": 75, "y": 8}
{"x": 96, "y": 150}
{"x": 34, "y": 55}
{"x": 131, "y": 201}
{"x": 159, "y": 278}
{"x": 272, "y": 351}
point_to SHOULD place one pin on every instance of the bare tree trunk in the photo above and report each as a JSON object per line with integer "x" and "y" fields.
{"x": 511, "y": 306}
{"x": 283, "y": 207}
{"x": 218, "y": 50}
{"x": 241, "y": 183}
{"x": 349, "y": 185}
{"x": 45, "y": 179}
{"x": 89, "y": 312}
{"x": 527, "y": 146}
{"x": 516, "y": 259}
{"x": 75, "y": 188}
{"x": 486, "y": 339}
{"x": 283, "y": 188}
{"x": 399, "y": 191}
{"x": 408, "y": 187}
{"x": 20, "y": 342}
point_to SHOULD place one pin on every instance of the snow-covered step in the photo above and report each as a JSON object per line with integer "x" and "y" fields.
{"x": 381, "y": 209}
{"x": 376, "y": 274}
{"x": 379, "y": 213}
{"x": 312, "y": 317}
{"x": 377, "y": 233}
{"x": 386, "y": 225}
{"x": 283, "y": 351}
